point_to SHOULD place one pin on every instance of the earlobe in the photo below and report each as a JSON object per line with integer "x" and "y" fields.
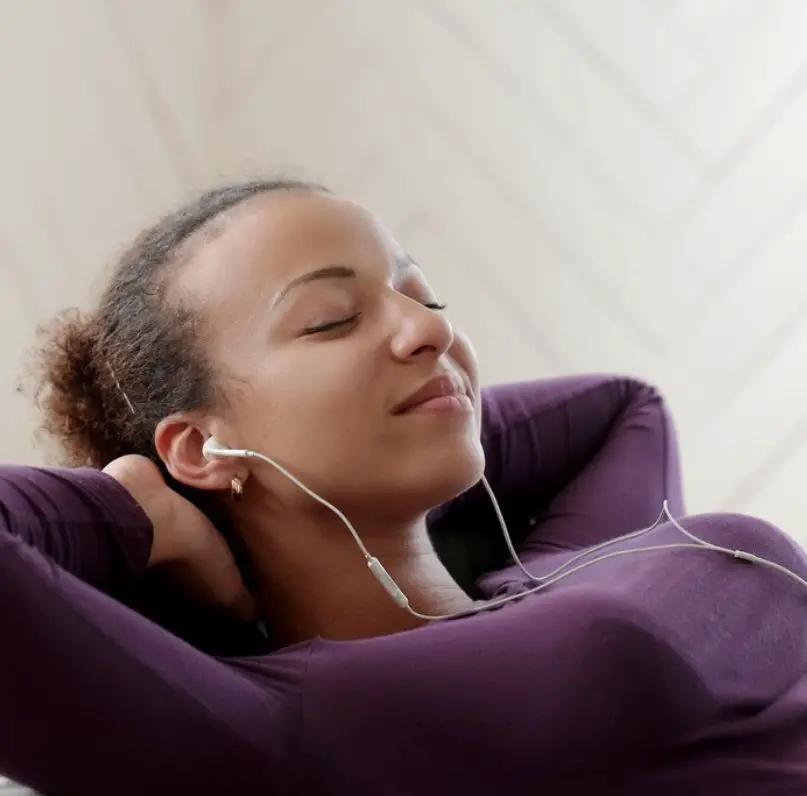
{"x": 179, "y": 444}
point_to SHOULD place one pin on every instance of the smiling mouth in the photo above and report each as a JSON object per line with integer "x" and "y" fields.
{"x": 457, "y": 403}
{"x": 442, "y": 394}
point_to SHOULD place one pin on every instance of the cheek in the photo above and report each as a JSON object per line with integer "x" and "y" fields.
{"x": 310, "y": 406}
{"x": 462, "y": 352}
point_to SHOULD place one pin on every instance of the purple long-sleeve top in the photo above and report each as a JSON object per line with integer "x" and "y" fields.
{"x": 671, "y": 672}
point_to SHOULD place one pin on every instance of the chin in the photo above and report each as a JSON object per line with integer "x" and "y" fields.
{"x": 452, "y": 472}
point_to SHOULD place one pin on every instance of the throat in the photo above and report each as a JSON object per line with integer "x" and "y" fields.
{"x": 320, "y": 585}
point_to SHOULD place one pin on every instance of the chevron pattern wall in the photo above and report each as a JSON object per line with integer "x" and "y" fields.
{"x": 591, "y": 184}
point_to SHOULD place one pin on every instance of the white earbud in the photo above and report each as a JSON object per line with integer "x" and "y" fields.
{"x": 213, "y": 449}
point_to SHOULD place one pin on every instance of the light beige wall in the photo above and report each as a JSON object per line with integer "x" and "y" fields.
{"x": 592, "y": 184}
{"x": 105, "y": 120}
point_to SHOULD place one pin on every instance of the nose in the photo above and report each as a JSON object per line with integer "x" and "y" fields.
{"x": 420, "y": 331}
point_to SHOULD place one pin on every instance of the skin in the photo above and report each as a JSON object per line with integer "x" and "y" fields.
{"x": 322, "y": 405}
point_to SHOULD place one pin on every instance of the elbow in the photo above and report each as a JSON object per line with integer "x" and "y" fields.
{"x": 646, "y": 410}
{"x": 632, "y": 388}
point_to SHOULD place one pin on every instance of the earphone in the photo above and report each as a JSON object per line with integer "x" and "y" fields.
{"x": 212, "y": 449}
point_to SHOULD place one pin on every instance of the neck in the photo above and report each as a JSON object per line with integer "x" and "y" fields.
{"x": 314, "y": 581}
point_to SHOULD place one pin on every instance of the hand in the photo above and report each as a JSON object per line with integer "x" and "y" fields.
{"x": 185, "y": 542}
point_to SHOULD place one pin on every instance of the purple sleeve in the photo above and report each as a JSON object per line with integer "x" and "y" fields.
{"x": 589, "y": 458}
{"x": 82, "y": 520}
{"x": 95, "y": 699}
{"x": 573, "y": 461}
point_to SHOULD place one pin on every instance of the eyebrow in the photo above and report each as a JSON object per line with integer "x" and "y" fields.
{"x": 327, "y": 272}
{"x": 332, "y": 272}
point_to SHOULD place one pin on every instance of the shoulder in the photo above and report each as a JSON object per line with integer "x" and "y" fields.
{"x": 749, "y": 533}
{"x": 729, "y": 617}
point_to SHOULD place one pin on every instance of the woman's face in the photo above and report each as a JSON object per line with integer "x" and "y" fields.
{"x": 324, "y": 331}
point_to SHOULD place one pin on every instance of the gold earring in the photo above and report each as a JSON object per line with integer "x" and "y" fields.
{"x": 236, "y": 487}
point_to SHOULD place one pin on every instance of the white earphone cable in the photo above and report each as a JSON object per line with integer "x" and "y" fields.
{"x": 213, "y": 449}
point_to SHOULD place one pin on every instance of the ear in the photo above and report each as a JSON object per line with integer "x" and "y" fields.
{"x": 179, "y": 440}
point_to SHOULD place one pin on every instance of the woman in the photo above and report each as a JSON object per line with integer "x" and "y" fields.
{"x": 277, "y": 317}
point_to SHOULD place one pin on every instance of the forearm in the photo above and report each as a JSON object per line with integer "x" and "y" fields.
{"x": 608, "y": 459}
{"x": 540, "y": 435}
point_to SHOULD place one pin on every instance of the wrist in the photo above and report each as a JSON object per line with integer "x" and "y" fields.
{"x": 141, "y": 478}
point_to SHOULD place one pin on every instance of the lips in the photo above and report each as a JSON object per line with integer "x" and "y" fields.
{"x": 445, "y": 385}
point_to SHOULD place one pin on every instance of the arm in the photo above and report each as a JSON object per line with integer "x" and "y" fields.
{"x": 573, "y": 462}
{"x": 590, "y": 458}
{"x": 83, "y": 521}
{"x": 579, "y": 691}
{"x": 95, "y": 699}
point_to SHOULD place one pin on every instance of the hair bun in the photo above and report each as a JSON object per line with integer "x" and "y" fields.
{"x": 78, "y": 399}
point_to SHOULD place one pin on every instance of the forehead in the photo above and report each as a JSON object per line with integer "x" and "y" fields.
{"x": 263, "y": 243}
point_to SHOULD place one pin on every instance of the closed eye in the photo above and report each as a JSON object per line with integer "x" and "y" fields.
{"x": 331, "y": 325}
